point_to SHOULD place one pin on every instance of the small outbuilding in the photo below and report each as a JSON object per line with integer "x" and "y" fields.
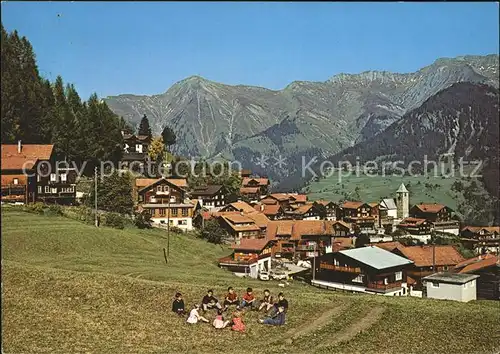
{"x": 450, "y": 286}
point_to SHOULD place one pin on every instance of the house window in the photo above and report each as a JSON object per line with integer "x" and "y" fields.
{"x": 53, "y": 177}
{"x": 38, "y": 178}
{"x": 162, "y": 212}
{"x": 184, "y": 212}
{"x": 47, "y": 189}
{"x": 39, "y": 189}
{"x": 399, "y": 276}
{"x": 174, "y": 212}
{"x": 54, "y": 190}
{"x": 335, "y": 262}
{"x": 159, "y": 188}
{"x": 16, "y": 181}
{"x": 386, "y": 281}
{"x": 63, "y": 177}
{"x": 183, "y": 222}
{"x": 471, "y": 284}
{"x": 435, "y": 284}
{"x": 138, "y": 148}
{"x": 358, "y": 279}
{"x": 445, "y": 267}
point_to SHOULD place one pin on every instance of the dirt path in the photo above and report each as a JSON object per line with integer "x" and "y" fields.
{"x": 319, "y": 322}
{"x": 371, "y": 318}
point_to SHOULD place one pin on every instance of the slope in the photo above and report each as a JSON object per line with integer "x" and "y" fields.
{"x": 69, "y": 287}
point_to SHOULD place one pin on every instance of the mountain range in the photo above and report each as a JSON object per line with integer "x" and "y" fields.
{"x": 246, "y": 123}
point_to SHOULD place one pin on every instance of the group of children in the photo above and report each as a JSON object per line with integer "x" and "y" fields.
{"x": 275, "y": 310}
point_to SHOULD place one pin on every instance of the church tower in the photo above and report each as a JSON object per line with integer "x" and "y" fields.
{"x": 403, "y": 202}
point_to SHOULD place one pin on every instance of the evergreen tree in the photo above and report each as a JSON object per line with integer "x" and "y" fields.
{"x": 169, "y": 137}
{"x": 144, "y": 128}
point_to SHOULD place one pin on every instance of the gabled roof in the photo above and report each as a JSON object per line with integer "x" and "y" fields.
{"x": 388, "y": 204}
{"x": 239, "y": 206}
{"x": 422, "y": 255}
{"x": 209, "y": 190}
{"x": 485, "y": 263}
{"x": 30, "y": 154}
{"x": 476, "y": 229}
{"x": 352, "y": 205}
{"x": 325, "y": 202}
{"x": 411, "y": 222}
{"x": 238, "y": 219}
{"x": 249, "y": 190}
{"x": 474, "y": 260}
{"x": 251, "y": 244}
{"x": 298, "y": 228}
{"x": 145, "y": 182}
{"x": 388, "y": 246}
{"x": 260, "y": 181}
{"x": 259, "y": 218}
{"x": 430, "y": 208}
{"x": 178, "y": 183}
{"x": 268, "y": 209}
{"x": 291, "y": 197}
{"x": 402, "y": 189}
{"x": 376, "y": 257}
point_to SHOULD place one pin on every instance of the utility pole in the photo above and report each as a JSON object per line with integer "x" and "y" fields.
{"x": 168, "y": 226}
{"x": 314, "y": 263}
{"x": 95, "y": 197}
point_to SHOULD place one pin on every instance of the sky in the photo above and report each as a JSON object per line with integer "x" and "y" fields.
{"x": 145, "y": 47}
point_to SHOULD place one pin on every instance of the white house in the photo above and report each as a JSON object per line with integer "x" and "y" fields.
{"x": 450, "y": 286}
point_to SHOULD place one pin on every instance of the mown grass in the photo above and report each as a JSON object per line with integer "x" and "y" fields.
{"x": 69, "y": 287}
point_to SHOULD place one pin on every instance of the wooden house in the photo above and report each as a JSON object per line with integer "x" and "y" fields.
{"x": 240, "y": 226}
{"x": 166, "y": 202}
{"x": 272, "y": 211}
{"x": 487, "y": 267}
{"x": 362, "y": 216}
{"x": 419, "y": 229}
{"x": 250, "y": 257}
{"x": 332, "y": 209}
{"x": 481, "y": 239}
{"x": 211, "y": 196}
{"x": 428, "y": 260}
{"x": 305, "y": 212}
{"x": 32, "y": 172}
{"x": 254, "y": 188}
{"x": 439, "y": 216}
{"x": 367, "y": 270}
{"x": 135, "y": 150}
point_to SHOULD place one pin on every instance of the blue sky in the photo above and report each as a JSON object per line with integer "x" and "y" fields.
{"x": 145, "y": 47}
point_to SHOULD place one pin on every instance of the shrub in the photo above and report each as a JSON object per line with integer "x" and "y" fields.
{"x": 36, "y": 208}
{"x": 142, "y": 220}
{"x": 176, "y": 230}
{"x": 54, "y": 209}
{"x": 114, "y": 220}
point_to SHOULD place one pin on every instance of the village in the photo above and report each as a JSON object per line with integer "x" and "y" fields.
{"x": 386, "y": 247}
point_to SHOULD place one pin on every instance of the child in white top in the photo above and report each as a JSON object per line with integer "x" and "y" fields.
{"x": 194, "y": 315}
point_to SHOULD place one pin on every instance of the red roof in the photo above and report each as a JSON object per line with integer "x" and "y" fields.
{"x": 30, "y": 154}
{"x": 298, "y": 228}
{"x": 267, "y": 209}
{"x": 476, "y": 229}
{"x": 352, "y": 205}
{"x": 257, "y": 244}
{"x": 260, "y": 181}
{"x": 474, "y": 260}
{"x": 239, "y": 206}
{"x": 249, "y": 190}
{"x": 430, "y": 208}
{"x": 485, "y": 263}
{"x": 145, "y": 182}
{"x": 411, "y": 221}
{"x": 422, "y": 255}
{"x": 388, "y": 246}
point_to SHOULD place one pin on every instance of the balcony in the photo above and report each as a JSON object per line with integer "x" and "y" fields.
{"x": 240, "y": 262}
{"x": 13, "y": 189}
{"x": 355, "y": 270}
{"x": 389, "y": 286}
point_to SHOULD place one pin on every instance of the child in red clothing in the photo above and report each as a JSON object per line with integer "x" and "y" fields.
{"x": 248, "y": 299}
{"x": 238, "y": 324}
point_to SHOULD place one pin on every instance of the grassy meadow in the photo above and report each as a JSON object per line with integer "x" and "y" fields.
{"x": 68, "y": 287}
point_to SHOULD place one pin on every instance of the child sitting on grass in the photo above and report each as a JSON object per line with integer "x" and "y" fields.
{"x": 219, "y": 322}
{"x": 277, "y": 320}
{"x": 248, "y": 299}
{"x": 267, "y": 301}
{"x": 231, "y": 298}
{"x": 238, "y": 324}
{"x": 194, "y": 315}
{"x": 178, "y": 305}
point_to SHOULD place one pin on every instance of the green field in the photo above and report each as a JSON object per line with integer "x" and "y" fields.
{"x": 69, "y": 287}
{"x": 374, "y": 188}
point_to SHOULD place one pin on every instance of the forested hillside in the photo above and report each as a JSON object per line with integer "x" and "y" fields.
{"x": 37, "y": 111}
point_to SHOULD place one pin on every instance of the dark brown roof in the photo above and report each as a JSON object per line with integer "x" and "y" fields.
{"x": 206, "y": 190}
